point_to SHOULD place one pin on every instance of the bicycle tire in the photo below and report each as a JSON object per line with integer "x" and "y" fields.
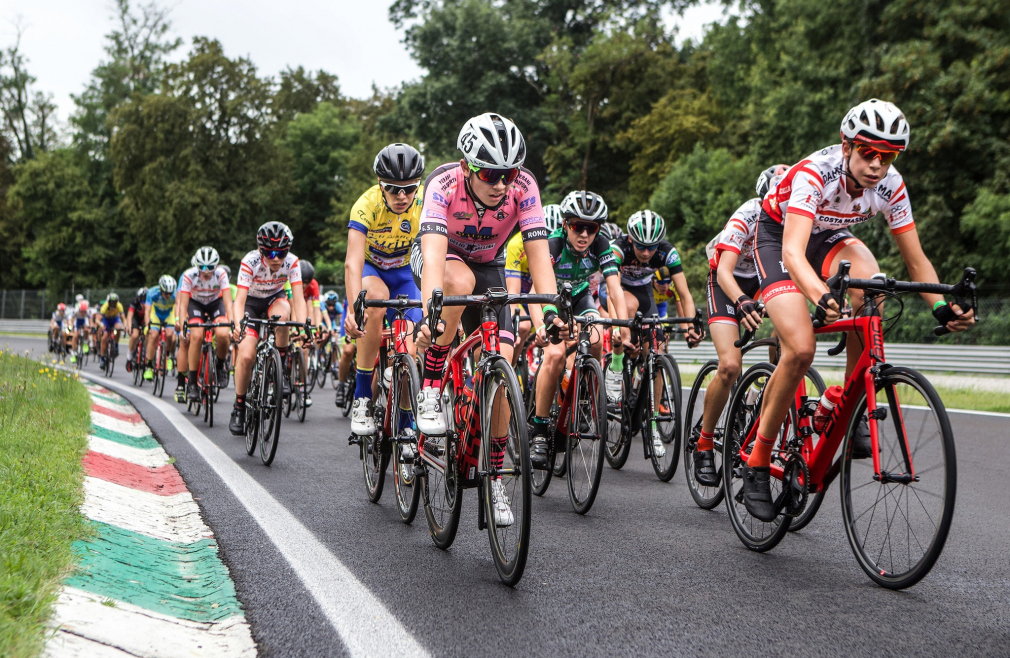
{"x": 408, "y": 489}
{"x": 618, "y": 445}
{"x": 666, "y": 466}
{"x": 509, "y": 545}
{"x": 159, "y": 374}
{"x": 756, "y": 535}
{"x": 855, "y": 475}
{"x": 585, "y": 455}
{"x": 442, "y": 488}
{"x": 540, "y": 478}
{"x": 212, "y": 389}
{"x": 704, "y": 497}
{"x": 269, "y": 422}
{"x": 814, "y": 501}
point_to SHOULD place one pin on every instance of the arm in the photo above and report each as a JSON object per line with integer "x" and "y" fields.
{"x": 298, "y": 311}
{"x": 921, "y": 269}
{"x": 182, "y": 308}
{"x": 727, "y": 281}
{"x": 239, "y": 309}
{"x": 354, "y": 265}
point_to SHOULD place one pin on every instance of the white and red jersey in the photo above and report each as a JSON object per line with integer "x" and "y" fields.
{"x": 256, "y": 277}
{"x": 202, "y": 291}
{"x": 738, "y": 236}
{"x": 815, "y": 188}
{"x": 477, "y": 234}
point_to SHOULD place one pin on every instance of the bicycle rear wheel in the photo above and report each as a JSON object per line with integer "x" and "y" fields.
{"x": 540, "y": 478}
{"x": 404, "y": 387}
{"x": 443, "y": 493}
{"x": 814, "y": 387}
{"x": 897, "y": 523}
{"x": 741, "y": 427}
{"x": 374, "y": 449}
{"x": 666, "y": 417}
{"x": 705, "y": 497}
{"x": 299, "y": 384}
{"x": 586, "y": 437}
{"x": 159, "y": 372}
{"x": 269, "y": 421}
{"x": 506, "y": 490}
{"x": 211, "y": 388}
{"x": 618, "y": 444}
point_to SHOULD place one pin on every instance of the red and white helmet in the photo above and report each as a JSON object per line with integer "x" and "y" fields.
{"x": 877, "y": 123}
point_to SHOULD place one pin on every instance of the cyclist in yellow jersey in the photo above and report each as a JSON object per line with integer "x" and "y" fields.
{"x": 111, "y": 313}
{"x": 383, "y": 224}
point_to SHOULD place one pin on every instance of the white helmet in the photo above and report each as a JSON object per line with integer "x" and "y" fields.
{"x": 586, "y": 206}
{"x": 205, "y": 257}
{"x": 646, "y": 228}
{"x": 878, "y": 123}
{"x": 79, "y": 298}
{"x": 492, "y": 141}
{"x": 764, "y": 182}
{"x": 167, "y": 284}
{"x": 553, "y": 217}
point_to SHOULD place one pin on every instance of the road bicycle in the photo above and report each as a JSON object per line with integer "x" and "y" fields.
{"x": 264, "y": 398}
{"x": 898, "y": 504}
{"x": 393, "y": 410}
{"x": 709, "y": 497}
{"x": 206, "y": 373}
{"x": 160, "y": 360}
{"x": 111, "y": 352}
{"x": 139, "y": 359}
{"x": 295, "y": 367}
{"x": 499, "y": 467}
{"x": 650, "y": 398}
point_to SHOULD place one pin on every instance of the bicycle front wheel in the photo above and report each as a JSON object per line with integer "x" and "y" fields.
{"x": 705, "y": 497}
{"x": 505, "y": 457}
{"x": 665, "y": 422}
{"x": 403, "y": 408}
{"x": 269, "y": 421}
{"x": 586, "y": 436}
{"x": 618, "y": 444}
{"x": 443, "y": 492}
{"x": 897, "y": 522}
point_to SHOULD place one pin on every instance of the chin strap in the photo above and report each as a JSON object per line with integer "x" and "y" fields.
{"x": 848, "y": 166}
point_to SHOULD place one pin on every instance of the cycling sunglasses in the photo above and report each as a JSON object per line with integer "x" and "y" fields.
{"x": 643, "y": 247}
{"x": 207, "y": 268}
{"x": 868, "y": 153}
{"x": 492, "y": 176}
{"x": 395, "y": 189}
{"x": 274, "y": 253}
{"x": 590, "y": 228}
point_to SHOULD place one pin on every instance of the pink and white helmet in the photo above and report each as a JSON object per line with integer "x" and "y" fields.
{"x": 877, "y": 123}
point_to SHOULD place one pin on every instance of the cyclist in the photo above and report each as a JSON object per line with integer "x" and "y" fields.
{"x": 731, "y": 292}
{"x": 159, "y": 310}
{"x": 612, "y": 232}
{"x": 471, "y": 207}
{"x": 261, "y": 280}
{"x": 802, "y": 235}
{"x": 663, "y": 293}
{"x": 348, "y": 350}
{"x": 203, "y": 297}
{"x": 135, "y": 324}
{"x": 384, "y": 222}
{"x": 332, "y": 310}
{"x": 81, "y": 315}
{"x": 517, "y": 271}
{"x": 577, "y": 250}
{"x": 111, "y": 313}
{"x": 56, "y": 322}
{"x": 310, "y": 290}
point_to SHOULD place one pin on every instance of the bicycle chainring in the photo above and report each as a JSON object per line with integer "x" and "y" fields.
{"x": 795, "y": 492}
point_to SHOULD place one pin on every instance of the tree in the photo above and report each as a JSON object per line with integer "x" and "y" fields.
{"x": 28, "y": 121}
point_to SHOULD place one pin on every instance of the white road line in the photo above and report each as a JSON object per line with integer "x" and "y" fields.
{"x": 364, "y": 624}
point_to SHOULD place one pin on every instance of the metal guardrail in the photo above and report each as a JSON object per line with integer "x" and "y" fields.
{"x": 25, "y": 326}
{"x": 981, "y": 359}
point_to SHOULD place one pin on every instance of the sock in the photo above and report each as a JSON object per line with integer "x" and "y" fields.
{"x": 498, "y": 445}
{"x": 406, "y": 420}
{"x": 706, "y": 441}
{"x": 363, "y": 384}
{"x": 191, "y": 378}
{"x": 761, "y": 452}
{"x": 434, "y": 359}
{"x": 617, "y": 362}
{"x": 239, "y": 400}
{"x": 182, "y": 378}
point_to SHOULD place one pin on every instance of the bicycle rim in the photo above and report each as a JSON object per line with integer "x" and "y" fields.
{"x": 302, "y": 386}
{"x": 814, "y": 389}
{"x": 405, "y": 385}
{"x": 586, "y": 437}
{"x": 666, "y": 418}
{"x": 704, "y": 496}
{"x": 373, "y": 465}
{"x": 618, "y": 443}
{"x": 442, "y": 492}
{"x": 501, "y": 400}
{"x": 898, "y": 529}
{"x": 269, "y": 423}
{"x": 755, "y": 534}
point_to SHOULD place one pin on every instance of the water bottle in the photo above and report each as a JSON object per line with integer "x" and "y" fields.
{"x": 826, "y": 406}
{"x": 387, "y": 376}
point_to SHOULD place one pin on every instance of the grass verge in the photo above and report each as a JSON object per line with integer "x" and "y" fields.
{"x": 44, "y": 421}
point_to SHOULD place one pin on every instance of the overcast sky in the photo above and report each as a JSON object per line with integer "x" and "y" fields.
{"x": 354, "y": 39}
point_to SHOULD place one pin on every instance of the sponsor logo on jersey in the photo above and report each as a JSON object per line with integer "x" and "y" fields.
{"x": 565, "y": 266}
{"x": 526, "y": 204}
{"x": 472, "y": 232}
{"x": 439, "y": 198}
{"x": 500, "y": 215}
{"x": 462, "y": 216}
{"x": 530, "y": 220}
{"x": 884, "y": 193}
{"x": 405, "y": 226}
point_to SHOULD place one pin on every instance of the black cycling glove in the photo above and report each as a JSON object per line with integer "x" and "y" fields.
{"x": 745, "y": 306}
{"x": 821, "y": 310}
{"x": 944, "y": 314}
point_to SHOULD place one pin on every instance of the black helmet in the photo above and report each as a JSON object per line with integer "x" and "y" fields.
{"x": 274, "y": 235}
{"x": 399, "y": 162}
{"x": 308, "y": 272}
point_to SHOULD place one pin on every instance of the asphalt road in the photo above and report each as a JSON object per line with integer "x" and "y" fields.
{"x": 646, "y": 572}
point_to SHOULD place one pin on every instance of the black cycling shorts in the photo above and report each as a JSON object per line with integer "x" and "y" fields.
{"x": 200, "y": 313}
{"x": 486, "y": 275}
{"x": 646, "y": 300}
{"x": 722, "y": 309}
{"x": 821, "y": 250}
{"x": 259, "y": 307}
{"x": 583, "y": 303}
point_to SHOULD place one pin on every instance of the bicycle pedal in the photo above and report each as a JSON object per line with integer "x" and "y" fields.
{"x": 354, "y": 440}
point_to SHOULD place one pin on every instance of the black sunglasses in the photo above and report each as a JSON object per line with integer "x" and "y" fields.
{"x": 395, "y": 189}
{"x": 590, "y": 228}
{"x": 274, "y": 253}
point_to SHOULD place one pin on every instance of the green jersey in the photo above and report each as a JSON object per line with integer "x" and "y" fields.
{"x": 575, "y": 269}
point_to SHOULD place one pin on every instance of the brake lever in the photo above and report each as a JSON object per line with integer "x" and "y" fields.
{"x": 359, "y": 310}
{"x": 967, "y": 285}
{"x": 838, "y": 285}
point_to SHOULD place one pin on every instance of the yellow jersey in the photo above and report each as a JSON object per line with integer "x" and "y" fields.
{"x": 388, "y": 236}
{"x": 111, "y": 312}
{"x": 516, "y": 266}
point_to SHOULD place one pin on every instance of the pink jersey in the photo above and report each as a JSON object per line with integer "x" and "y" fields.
{"x": 202, "y": 291}
{"x": 815, "y": 188}
{"x": 477, "y": 234}
{"x": 738, "y": 237}
{"x": 256, "y": 277}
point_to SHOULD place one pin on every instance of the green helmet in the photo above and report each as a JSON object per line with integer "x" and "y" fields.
{"x": 646, "y": 228}
{"x": 553, "y": 217}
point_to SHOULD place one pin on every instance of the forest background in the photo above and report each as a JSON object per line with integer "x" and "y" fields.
{"x": 160, "y": 158}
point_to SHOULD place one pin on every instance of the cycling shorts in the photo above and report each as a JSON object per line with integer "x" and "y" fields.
{"x": 400, "y": 281}
{"x": 158, "y": 321}
{"x": 583, "y": 303}
{"x": 821, "y": 250}
{"x": 259, "y": 308}
{"x": 199, "y": 313}
{"x": 58, "y": 323}
{"x": 486, "y": 275}
{"x": 722, "y": 309}
{"x": 79, "y": 323}
{"x": 646, "y": 300}
{"x": 110, "y": 323}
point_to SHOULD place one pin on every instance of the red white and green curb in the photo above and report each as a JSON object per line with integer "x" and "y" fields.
{"x": 149, "y": 582}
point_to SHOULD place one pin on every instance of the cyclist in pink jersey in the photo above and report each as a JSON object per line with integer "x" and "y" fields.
{"x": 471, "y": 209}
{"x": 802, "y": 236}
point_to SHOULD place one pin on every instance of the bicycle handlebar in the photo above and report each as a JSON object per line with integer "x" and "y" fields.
{"x": 361, "y": 303}
{"x": 748, "y": 334}
{"x": 493, "y": 297}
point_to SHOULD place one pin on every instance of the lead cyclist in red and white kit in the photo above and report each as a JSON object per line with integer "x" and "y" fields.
{"x": 803, "y": 235}
{"x": 470, "y": 210}
{"x": 261, "y": 294}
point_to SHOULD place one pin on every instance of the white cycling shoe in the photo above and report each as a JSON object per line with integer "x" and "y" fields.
{"x": 612, "y": 383}
{"x": 430, "y": 419}
{"x": 503, "y": 516}
{"x": 362, "y": 423}
{"x": 658, "y": 448}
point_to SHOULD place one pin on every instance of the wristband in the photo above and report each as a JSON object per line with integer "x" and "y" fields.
{"x": 550, "y": 307}
{"x": 939, "y": 304}
{"x": 537, "y": 330}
